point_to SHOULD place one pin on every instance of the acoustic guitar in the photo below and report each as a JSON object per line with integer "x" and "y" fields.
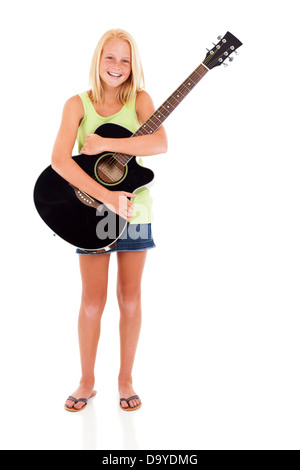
{"x": 89, "y": 224}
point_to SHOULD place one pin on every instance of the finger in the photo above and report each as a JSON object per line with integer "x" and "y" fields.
{"x": 129, "y": 194}
{"x": 124, "y": 215}
{"x": 128, "y": 217}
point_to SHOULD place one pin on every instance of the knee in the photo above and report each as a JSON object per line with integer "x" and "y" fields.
{"x": 129, "y": 302}
{"x": 92, "y": 306}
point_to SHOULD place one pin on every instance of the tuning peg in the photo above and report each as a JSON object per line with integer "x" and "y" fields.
{"x": 225, "y": 65}
{"x": 231, "y": 59}
{"x": 219, "y": 38}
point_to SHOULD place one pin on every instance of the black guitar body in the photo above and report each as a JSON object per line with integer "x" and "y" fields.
{"x": 74, "y": 215}
{"x": 86, "y": 223}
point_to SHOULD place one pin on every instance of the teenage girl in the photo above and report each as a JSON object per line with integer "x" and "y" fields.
{"x": 116, "y": 96}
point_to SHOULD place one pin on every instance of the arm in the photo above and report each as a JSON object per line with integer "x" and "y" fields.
{"x": 68, "y": 169}
{"x": 143, "y": 145}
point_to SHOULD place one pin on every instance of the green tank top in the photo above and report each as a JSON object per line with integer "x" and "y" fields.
{"x": 126, "y": 117}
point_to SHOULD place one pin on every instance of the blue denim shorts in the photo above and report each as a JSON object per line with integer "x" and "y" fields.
{"x": 136, "y": 237}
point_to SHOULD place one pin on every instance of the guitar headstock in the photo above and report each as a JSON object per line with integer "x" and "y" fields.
{"x": 222, "y": 51}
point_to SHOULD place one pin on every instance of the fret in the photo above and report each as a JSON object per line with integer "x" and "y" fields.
{"x": 180, "y": 93}
{"x": 173, "y": 100}
{"x": 190, "y": 81}
{"x": 122, "y": 158}
{"x": 189, "y": 86}
{"x": 147, "y": 128}
{"x": 155, "y": 120}
{"x": 168, "y": 106}
{"x": 159, "y": 116}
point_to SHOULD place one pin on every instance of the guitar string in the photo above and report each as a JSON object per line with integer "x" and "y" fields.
{"x": 119, "y": 156}
{"x": 168, "y": 102}
{"x": 153, "y": 123}
{"x": 171, "y": 101}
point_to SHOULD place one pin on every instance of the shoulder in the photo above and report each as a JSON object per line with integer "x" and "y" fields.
{"x": 144, "y": 106}
{"x": 143, "y": 98}
{"x": 75, "y": 104}
{"x": 73, "y": 108}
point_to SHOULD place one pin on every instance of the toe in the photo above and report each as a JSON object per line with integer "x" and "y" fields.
{"x": 70, "y": 403}
{"x": 79, "y": 405}
{"x": 124, "y": 404}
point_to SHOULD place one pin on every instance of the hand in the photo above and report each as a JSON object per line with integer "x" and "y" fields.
{"x": 93, "y": 145}
{"x": 118, "y": 202}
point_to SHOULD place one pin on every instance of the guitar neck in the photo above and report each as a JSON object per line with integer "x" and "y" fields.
{"x": 159, "y": 116}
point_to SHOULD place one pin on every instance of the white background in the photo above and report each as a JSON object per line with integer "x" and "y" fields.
{"x": 218, "y": 360}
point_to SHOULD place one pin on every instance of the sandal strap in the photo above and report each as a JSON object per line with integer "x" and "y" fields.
{"x": 135, "y": 397}
{"x": 77, "y": 400}
{"x": 73, "y": 399}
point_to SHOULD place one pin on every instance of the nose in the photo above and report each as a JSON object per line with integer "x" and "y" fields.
{"x": 118, "y": 65}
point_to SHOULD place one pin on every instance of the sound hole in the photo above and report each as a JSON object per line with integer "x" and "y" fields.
{"x": 109, "y": 170}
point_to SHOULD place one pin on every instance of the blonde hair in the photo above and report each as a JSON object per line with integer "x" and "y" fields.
{"x": 135, "y": 81}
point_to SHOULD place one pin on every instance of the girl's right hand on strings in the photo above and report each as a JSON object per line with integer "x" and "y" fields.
{"x": 118, "y": 202}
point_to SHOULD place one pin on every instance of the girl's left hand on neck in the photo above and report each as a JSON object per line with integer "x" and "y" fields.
{"x": 93, "y": 145}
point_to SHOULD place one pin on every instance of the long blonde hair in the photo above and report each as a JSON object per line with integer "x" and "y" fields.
{"x": 135, "y": 81}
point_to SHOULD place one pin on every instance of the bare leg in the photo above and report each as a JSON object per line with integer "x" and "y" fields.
{"x": 94, "y": 273}
{"x": 130, "y": 270}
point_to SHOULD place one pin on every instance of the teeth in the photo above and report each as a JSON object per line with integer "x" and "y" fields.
{"x": 114, "y": 74}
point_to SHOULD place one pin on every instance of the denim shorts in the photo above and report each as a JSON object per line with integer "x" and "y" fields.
{"x": 136, "y": 237}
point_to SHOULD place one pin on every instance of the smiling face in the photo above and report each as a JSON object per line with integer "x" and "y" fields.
{"x": 115, "y": 63}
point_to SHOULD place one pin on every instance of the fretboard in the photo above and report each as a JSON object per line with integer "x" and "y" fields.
{"x": 159, "y": 116}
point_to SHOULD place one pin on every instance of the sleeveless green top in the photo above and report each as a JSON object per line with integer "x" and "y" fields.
{"x": 126, "y": 117}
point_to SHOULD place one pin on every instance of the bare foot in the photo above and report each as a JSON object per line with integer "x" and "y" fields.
{"x": 126, "y": 390}
{"x": 84, "y": 390}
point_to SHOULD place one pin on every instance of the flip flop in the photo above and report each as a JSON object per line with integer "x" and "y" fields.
{"x": 134, "y": 408}
{"x": 84, "y": 400}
